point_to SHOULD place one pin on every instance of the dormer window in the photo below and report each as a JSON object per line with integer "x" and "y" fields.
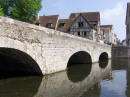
{"x": 49, "y": 25}
{"x": 62, "y": 25}
{"x": 80, "y": 24}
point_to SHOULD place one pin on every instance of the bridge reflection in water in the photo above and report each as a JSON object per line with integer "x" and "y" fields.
{"x": 74, "y": 82}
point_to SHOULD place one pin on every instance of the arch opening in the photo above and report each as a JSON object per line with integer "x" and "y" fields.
{"x": 79, "y": 66}
{"x": 15, "y": 63}
{"x": 103, "y": 60}
{"x": 103, "y": 56}
{"x": 80, "y": 57}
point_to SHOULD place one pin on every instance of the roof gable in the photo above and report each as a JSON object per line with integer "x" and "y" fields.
{"x": 90, "y": 16}
{"x": 69, "y": 22}
{"x": 83, "y": 18}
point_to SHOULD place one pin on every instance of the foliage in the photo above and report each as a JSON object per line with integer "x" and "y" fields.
{"x": 1, "y": 11}
{"x": 24, "y": 10}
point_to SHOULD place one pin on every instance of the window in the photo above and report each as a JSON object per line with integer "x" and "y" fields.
{"x": 49, "y": 25}
{"x": 85, "y": 33}
{"x": 62, "y": 25}
{"x": 78, "y": 33}
{"x": 80, "y": 24}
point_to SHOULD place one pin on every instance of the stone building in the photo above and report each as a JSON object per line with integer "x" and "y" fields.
{"x": 127, "y": 23}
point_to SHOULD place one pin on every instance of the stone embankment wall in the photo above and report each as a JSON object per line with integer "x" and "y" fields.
{"x": 120, "y": 52}
{"x": 50, "y": 49}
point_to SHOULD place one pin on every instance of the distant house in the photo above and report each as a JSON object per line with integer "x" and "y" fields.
{"x": 127, "y": 23}
{"x": 85, "y": 24}
{"x": 77, "y": 25}
{"x": 116, "y": 41}
{"x": 47, "y": 21}
{"x": 92, "y": 17}
{"x": 108, "y": 33}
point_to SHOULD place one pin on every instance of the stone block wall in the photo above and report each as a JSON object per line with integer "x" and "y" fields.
{"x": 120, "y": 52}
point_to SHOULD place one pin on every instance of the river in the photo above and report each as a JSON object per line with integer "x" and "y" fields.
{"x": 105, "y": 79}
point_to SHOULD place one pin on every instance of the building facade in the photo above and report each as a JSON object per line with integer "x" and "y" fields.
{"x": 127, "y": 23}
{"x": 109, "y": 36}
{"x": 78, "y": 26}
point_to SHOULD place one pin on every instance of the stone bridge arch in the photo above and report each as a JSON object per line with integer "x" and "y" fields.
{"x": 82, "y": 57}
{"x": 23, "y": 56}
{"x": 17, "y": 63}
{"x": 103, "y": 56}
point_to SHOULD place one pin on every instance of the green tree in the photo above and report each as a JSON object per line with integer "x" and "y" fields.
{"x": 1, "y": 11}
{"x": 24, "y": 10}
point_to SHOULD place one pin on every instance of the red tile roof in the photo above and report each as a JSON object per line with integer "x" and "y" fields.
{"x": 106, "y": 28}
{"x": 44, "y": 20}
{"x": 67, "y": 22}
{"x": 92, "y": 17}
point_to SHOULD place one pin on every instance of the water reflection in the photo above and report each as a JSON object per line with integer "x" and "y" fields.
{"x": 103, "y": 64}
{"x": 119, "y": 64}
{"x": 78, "y": 72}
{"x": 99, "y": 81}
{"x": 20, "y": 87}
{"x": 60, "y": 85}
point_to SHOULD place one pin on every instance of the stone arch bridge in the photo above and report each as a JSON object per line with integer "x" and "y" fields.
{"x": 44, "y": 51}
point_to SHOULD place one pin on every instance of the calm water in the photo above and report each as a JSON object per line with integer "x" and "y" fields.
{"x": 105, "y": 79}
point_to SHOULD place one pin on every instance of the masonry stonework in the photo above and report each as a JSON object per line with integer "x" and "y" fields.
{"x": 50, "y": 49}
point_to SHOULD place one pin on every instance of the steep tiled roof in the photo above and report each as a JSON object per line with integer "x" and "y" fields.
{"x": 67, "y": 23}
{"x": 106, "y": 28}
{"x": 44, "y": 20}
{"x": 92, "y": 17}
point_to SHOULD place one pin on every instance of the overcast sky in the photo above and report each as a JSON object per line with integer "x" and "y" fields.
{"x": 111, "y": 11}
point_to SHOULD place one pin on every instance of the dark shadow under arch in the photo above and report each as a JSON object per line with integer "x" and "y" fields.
{"x": 78, "y": 72}
{"x": 79, "y": 66}
{"x": 20, "y": 87}
{"x": 14, "y": 63}
{"x": 103, "y": 64}
{"x": 103, "y": 56}
{"x": 80, "y": 57}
